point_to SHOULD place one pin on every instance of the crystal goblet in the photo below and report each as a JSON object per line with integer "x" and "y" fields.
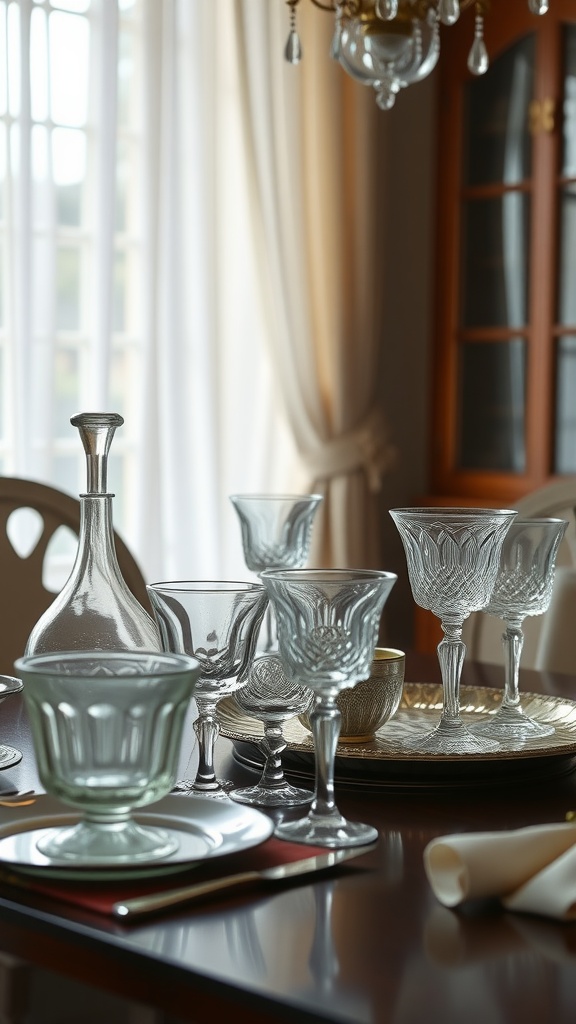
{"x": 328, "y": 622}
{"x": 272, "y": 698}
{"x": 452, "y": 556}
{"x": 217, "y": 622}
{"x": 523, "y": 587}
{"x": 106, "y": 727}
{"x": 276, "y": 532}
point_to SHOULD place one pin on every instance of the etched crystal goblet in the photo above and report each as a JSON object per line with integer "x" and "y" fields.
{"x": 523, "y": 587}
{"x": 452, "y": 556}
{"x": 328, "y": 621}
{"x": 217, "y": 622}
{"x": 272, "y": 698}
{"x": 276, "y": 532}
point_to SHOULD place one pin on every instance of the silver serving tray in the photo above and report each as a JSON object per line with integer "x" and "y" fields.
{"x": 382, "y": 761}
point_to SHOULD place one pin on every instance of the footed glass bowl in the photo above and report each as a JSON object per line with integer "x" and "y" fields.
{"x": 107, "y": 729}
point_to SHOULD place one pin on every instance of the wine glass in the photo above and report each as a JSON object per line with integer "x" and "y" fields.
{"x": 272, "y": 698}
{"x": 452, "y": 556}
{"x": 276, "y": 531}
{"x": 217, "y": 622}
{"x": 523, "y": 587}
{"x": 328, "y": 622}
{"x": 107, "y": 727}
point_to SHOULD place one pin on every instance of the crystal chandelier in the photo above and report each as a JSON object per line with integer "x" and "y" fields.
{"x": 390, "y": 44}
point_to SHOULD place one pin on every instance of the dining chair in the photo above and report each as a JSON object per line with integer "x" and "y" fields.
{"x": 24, "y": 595}
{"x": 549, "y": 639}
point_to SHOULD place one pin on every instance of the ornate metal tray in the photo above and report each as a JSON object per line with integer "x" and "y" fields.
{"x": 383, "y": 762}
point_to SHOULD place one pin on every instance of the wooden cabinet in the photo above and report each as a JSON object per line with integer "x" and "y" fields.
{"x": 504, "y": 385}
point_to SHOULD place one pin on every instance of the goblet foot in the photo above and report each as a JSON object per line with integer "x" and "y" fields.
{"x": 451, "y": 738}
{"x": 511, "y": 724}
{"x": 218, "y": 790}
{"x": 330, "y": 830}
{"x": 268, "y": 796}
{"x": 107, "y": 843}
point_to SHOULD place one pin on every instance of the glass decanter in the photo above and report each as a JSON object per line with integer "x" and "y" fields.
{"x": 95, "y": 610}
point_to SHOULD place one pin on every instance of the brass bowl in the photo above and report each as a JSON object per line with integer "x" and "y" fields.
{"x": 366, "y": 706}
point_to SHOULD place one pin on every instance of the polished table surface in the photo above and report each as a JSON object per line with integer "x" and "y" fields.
{"x": 369, "y": 943}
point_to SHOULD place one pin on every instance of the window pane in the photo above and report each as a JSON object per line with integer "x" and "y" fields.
{"x": 13, "y": 47}
{"x": 66, "y": 389}
{"x": 3, "y": 59}
{"x": 68, "y": 289}
{"x": 495, "y": 249}
{"x": 69, "y": 158}
{"x": 565, "y": 450}
{"x": 2, "y": 171}
{"x": 493, "y": 403}
{"x": 72, "y": 5}
{"x": 120, "y": 290}
{"x": 69, "y": 65}
{"x": 569, "y": 137}
{"x": 39, "y": 65}
{"x": 497, "y": 144}
{"x": 567, "y": 262}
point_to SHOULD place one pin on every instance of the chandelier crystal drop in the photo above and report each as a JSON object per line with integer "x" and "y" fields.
{"x": 390, "y": 44}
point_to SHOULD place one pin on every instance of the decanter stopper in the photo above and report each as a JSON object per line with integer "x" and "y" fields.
{"x": 95, "y": 610}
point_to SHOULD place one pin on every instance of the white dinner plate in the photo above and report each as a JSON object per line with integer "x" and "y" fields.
{"x": 204, "y": 827}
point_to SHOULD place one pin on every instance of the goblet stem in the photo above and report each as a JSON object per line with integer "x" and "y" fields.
{"x": 207, "y": 730}
{"x": 324, "y": 825}
{"x": 451, "y": 652}
{"x": 325, "y": 721}
{"x": 451, "y": 735}
{"x": 273, "y": 743}
{"x": 512, "y": 642}
{"x": 511, "y": 724}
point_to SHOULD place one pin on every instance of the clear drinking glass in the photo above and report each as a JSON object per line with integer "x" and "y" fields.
{"x": 276, "y": 533}
{"x": 452, "y": 556}
{"x": 107, "y": 729}
{"x": 328, "y": 622}
{"x": 272, "y": 698}
{"x": 217, "y": 622}
{"x": 523, "y": 587}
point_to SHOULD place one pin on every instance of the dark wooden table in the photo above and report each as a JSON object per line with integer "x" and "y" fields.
{"x": 368, "y": 944}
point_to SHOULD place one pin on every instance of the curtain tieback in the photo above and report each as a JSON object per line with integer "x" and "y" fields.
{"x": 367, "y": 447}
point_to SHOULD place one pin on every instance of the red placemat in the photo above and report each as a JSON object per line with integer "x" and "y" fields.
{"x": 100, "y": 896}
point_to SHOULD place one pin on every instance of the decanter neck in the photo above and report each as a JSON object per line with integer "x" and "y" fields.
{"x": 96, "y": 431}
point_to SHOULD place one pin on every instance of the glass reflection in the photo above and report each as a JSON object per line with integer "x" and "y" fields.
{"x": 565, "y": 432}
{"x": 495, "y": 251}
{"x": 498, "y": 146}
{"x": 492, "y": 406}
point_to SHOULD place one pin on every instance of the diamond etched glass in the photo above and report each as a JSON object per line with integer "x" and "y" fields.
{"x": 523, "y": 587}
{"x": 452, "y": 556}
{"x": 328, "y": 621}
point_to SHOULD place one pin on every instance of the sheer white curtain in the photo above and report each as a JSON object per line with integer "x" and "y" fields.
{"x": 312, "y": 139}
{"x": 129, "y": 280}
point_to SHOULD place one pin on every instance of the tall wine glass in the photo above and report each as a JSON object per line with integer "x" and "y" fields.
{"x": 452, "y": 556}
{"x": 217, "y": 622}
{"x": 523, "y": 587}
{"x": 328, "y": 623}
{"x": 276, "y": 532}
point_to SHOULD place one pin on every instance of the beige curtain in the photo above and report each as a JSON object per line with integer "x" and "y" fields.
{"x": 312, "y": 147}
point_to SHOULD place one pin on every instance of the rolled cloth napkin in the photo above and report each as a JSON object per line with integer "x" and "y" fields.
{"x": 532, "y": 870}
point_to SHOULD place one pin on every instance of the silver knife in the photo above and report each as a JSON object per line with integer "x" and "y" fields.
{"x": 140, "y": 905}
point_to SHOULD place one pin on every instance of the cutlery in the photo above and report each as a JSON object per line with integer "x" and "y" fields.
{"x": 141, "y": 905}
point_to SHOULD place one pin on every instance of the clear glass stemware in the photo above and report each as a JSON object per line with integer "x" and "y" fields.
{"x": 523, "y": 587}
{"x": 272, "y": 699}
{"x": 452, "y": 556}
{"x": 217, "y": 622}
{"x": 328, "y": 621}
{"x": 276, "y": 533}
